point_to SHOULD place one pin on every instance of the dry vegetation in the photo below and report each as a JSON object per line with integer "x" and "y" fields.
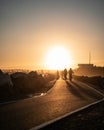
{"x": 18, "y": 85}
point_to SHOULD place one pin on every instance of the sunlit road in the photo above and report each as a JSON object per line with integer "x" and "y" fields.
{"x": 64, "y": 97}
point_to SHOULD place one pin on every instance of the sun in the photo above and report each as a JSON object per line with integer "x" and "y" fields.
{"x": 58, "y": 58}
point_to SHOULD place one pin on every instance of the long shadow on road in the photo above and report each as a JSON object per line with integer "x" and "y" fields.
{"x": 74, "y": 90}
{"x": 81, "y": 91}
{"x": 87, "y": 91}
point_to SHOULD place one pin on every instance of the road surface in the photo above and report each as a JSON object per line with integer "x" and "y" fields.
{"x": 63, "y": 98}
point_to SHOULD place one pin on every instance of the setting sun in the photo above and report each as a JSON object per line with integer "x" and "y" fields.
{"x": 58, "y": 58}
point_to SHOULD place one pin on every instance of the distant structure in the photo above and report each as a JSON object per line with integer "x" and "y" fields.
{"x": 87, "y": 66}
{"x": 89, "y": 69}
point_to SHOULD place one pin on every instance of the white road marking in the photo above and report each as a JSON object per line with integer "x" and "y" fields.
{"x": 70, "y": 113}
{"x": 90, "y": 87}
{"x": 61, "y": 117}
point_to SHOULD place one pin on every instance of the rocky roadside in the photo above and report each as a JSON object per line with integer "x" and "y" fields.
{"x": 90, "y": 118}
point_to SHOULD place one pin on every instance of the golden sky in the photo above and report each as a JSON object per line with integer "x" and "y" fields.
{"x": 28, "y": 29}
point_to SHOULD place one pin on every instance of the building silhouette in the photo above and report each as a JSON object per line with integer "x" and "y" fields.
{"x": 89, "y": 70}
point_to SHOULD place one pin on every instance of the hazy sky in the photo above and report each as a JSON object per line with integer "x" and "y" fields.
{"x": 29, "y": 28}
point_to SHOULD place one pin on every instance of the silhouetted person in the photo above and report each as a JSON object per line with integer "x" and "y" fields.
{"x": 65, "y": 73}
{"x": 70, "y": 74}
{"x": 57, "y": 75}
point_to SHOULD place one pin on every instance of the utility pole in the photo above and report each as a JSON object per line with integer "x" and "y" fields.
{"x": 89, "y": 57}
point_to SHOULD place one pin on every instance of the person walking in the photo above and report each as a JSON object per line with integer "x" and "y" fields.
{"x": 65, "y": 73}
{"x": 57, "y": 75}
{"x": 70, "y": 74}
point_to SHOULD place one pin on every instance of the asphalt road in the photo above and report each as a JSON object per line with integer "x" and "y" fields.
{"x": 63, "y": 98}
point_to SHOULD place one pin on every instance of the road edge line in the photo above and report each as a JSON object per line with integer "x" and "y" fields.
{"x": 63, "y": 116}
{"x": 91, "y": 87}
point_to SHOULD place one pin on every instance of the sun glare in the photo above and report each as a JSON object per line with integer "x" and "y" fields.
{"x": 58, "y": 58}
